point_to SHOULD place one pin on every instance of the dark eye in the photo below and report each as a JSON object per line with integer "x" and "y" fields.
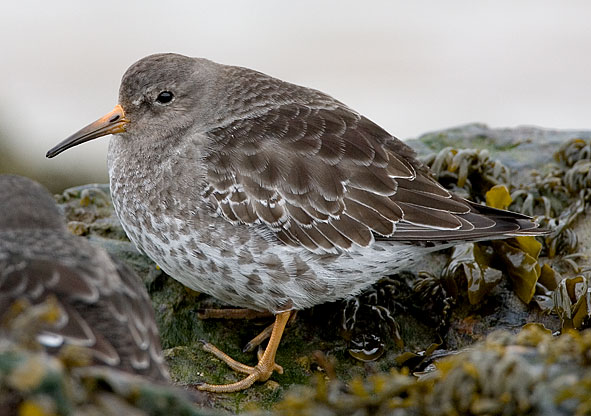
{"x": 164, "y": 97}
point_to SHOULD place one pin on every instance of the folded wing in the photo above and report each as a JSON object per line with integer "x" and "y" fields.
{"x": 327, "y": 178}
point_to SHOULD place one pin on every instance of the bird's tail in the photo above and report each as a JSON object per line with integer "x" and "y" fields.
{"x": 480, "y": 223}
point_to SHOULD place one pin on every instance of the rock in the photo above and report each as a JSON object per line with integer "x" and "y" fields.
{"x": 528, "y": 373}
{"x": 411, "y": 319}
{"x": 519, "y": 148}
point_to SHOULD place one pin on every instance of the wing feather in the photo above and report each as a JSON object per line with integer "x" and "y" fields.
{"x": 102, "y": 309}
{"x": 324, "y": 177}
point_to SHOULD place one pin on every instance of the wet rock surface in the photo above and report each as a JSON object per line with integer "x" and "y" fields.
{"x": 377, "y": 350}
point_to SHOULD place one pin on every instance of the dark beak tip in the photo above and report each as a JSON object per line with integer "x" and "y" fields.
{"x": 53, "y": 152}
{"x": 112, "y": 123}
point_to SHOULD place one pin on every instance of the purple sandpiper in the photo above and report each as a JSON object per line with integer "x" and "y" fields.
{"x": 102, "y": 304}
{"x": 268, "y": 195}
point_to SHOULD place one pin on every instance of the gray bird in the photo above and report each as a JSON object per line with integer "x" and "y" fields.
{"x": 103, "y": 304}
{"x": 269, "y": 195}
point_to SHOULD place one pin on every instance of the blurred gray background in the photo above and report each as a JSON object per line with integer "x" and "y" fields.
{"x": 412, "y": 67}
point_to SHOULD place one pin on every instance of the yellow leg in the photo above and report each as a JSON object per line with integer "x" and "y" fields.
{"x": 260, "y": 372}
{"x": 265, "y": 334}
{"x": 258, "y": 340}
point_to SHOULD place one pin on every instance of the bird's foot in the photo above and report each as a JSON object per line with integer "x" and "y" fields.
{"x": 260, "y": 372}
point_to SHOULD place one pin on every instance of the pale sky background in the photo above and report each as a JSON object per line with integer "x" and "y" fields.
{"x": 410, "y": 66}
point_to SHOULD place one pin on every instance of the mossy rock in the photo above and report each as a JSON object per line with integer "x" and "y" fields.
{"x": 421, "y": 316}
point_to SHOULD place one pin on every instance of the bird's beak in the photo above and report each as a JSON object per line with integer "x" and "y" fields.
{"x": 111, "y": 123}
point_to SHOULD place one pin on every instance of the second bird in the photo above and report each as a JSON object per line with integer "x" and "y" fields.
{"x": 103, "y": 305}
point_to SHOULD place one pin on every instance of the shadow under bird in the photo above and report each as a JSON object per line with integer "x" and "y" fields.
{"x": 103, "y": 305}
{"x": 268, "y": 195}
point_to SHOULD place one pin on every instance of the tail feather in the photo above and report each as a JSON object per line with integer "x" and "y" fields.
{"x": 481, "y": 223}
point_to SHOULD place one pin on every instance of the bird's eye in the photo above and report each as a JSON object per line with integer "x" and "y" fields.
{"x": 164, "y": 97}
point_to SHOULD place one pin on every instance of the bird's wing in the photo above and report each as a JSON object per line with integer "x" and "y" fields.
{"x": 134, "y": 305}
{"x": 36, "y": 279}
{"x": 327, "y": 178}
{"x": 93, "y": 309}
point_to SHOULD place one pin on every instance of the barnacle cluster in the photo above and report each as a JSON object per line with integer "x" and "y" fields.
{"x": 471, "y": 173}
{"x": 377, "y": 395}
{"x": 368, "y": 319}
{"x": 468, "y": 172}
{"x": 563, "y": 287}
{"x": 372, "y": 321}
{"x": 544, "y": 194}
{"x": 573, "y": 151}
{"x": 560, "y": 190}
{"x": 435, "y": 296}
{"x": 528, "y": 373}
{"x": 558, "y": 197}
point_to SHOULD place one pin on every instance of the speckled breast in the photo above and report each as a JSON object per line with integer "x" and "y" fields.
{"x": 241, "y": 265}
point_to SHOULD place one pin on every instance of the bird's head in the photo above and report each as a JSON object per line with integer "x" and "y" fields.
{"x": 160, "y": 95}
{"x": 25, "y": 204}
